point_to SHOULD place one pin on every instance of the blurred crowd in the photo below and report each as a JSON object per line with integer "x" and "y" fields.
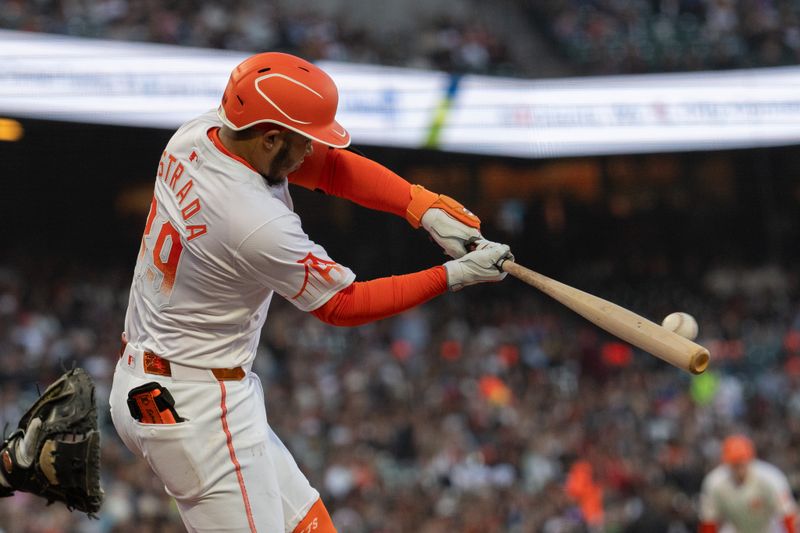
{"x": 621, "y": 36}
{"x": 590, "y": 36}
{"x": 449, "y": 43}
{"x": 488, "y": 410}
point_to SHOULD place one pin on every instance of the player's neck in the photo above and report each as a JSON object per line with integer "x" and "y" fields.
{"x": 241, "y": 148}
{"x": 248, "y": 149}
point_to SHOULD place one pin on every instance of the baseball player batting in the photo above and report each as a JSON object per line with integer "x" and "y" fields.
{"x": 222, "y": 237}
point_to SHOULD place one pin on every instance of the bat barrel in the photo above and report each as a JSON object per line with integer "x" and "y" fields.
{"x": 618, "y": 321}
{"x": 699, "y": 361}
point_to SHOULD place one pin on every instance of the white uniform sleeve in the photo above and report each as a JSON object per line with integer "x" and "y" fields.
{"x": 780, "y": 485}
{"x": 280, "y": 256}
{"x": 709, "y": 510}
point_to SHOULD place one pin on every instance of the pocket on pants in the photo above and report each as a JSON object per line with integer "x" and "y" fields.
{"x": 170, "y": 450}
{"x": 120, "y": 416}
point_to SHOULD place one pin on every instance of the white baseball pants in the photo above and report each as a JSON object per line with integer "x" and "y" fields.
{"x": 225, "y": 467}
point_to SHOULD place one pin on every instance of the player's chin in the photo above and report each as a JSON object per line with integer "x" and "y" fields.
{"x": 276, "y": 177}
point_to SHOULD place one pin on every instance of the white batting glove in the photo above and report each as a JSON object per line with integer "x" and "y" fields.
{"x": 453, "y": 236}
{"x": 479, "y": 266}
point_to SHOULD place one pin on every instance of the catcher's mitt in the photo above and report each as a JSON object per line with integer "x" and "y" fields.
{"x": 55, "y": 452}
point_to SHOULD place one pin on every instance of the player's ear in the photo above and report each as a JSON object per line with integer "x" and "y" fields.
{"x": 269, "y": 137}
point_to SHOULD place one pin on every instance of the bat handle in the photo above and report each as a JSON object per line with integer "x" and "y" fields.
{"x": 508, "y": 265}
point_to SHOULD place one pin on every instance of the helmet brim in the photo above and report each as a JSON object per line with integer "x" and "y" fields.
{"x": 333, "y": 134}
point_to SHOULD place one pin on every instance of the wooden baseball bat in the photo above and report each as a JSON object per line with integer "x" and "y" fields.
{"x": 618, "y": 321}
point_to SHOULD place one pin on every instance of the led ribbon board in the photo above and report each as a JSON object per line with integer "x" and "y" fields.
{"x": 136, "y": 84}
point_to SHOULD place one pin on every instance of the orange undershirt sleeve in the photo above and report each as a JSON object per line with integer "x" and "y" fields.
{"x": 348, "y": 175}
{"x": 310, "y": 172}
{"x": 367, "y": 301}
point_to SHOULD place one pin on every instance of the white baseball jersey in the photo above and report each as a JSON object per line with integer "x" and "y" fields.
{"x": 217, "y": 243}
{"x": 758, "y": 505}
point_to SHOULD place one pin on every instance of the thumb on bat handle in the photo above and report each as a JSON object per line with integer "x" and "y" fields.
{"x": 472, "y": 245}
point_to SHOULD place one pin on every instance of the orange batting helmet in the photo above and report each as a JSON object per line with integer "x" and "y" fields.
{"x": 737, "y": 449}
{"x": 286, "y": 90}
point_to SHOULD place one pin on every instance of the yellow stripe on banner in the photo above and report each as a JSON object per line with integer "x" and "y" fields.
{"x": 436, "y": 125}
{"x": 440, "y": 115}
{"x": 10, "y": 130}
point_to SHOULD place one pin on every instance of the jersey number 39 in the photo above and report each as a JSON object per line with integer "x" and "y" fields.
{"x": 160, "y": 254}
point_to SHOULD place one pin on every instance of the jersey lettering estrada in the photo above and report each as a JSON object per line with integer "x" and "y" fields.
{"x": 217, "y": 243}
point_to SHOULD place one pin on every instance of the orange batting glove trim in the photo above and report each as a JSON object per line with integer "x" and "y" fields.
{"x": 707, "y": 527}
{"x": 317, "y": 520}
{"x": 423, "y": 199}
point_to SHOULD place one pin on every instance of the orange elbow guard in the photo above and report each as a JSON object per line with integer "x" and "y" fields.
{"x": 423, "y": 199}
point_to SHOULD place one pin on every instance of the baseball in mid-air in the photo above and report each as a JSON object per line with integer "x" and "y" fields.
{"x": 683, "y": 324}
